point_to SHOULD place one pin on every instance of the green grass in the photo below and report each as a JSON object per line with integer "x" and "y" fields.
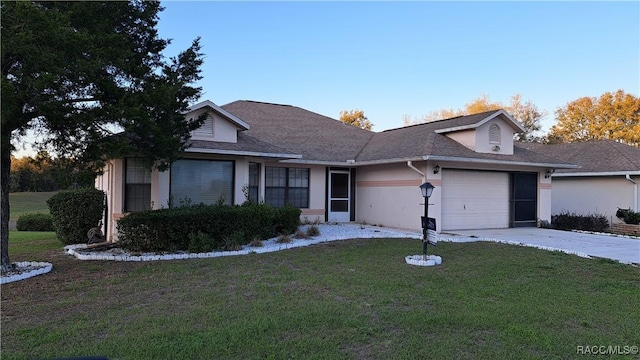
{"x": 28, "y": 202}
{"x": 350, "y": 299}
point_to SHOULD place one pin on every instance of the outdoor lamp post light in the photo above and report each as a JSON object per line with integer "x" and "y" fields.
{"x": 426, "y": 189}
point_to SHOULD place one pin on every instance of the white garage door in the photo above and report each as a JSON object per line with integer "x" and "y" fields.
{"x": 474, "y": 200}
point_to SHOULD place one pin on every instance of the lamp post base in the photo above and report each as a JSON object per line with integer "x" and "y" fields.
{"x": 420, "y": 260}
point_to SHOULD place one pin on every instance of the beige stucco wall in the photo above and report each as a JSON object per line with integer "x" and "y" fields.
{"x": 389, "y": 195}
{"x": 584, "y": 195}
{"x": 464, "y": 137}
{"x": 545, "y": 187}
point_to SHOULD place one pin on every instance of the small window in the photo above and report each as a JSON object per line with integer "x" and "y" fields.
{"x": 494, "y": 134}
{"x": 254, "y": 181}
{"x": 137, "y": 191}
{"x": 286, "y": 186}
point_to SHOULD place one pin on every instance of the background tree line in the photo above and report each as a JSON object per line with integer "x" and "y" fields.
{"x": 45, "y": 173}
{"x": 611, "y": 116}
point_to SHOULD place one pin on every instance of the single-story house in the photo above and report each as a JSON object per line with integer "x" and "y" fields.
{"x": 335, "y": 172}
{"x": 606, "y": 180}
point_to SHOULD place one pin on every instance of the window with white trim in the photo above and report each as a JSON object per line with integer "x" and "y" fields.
{"x": 494, "y": 134}
{"x": 202, "y": 181}
{"x": 137, "y": 189}
{"x": 286, "y": 186}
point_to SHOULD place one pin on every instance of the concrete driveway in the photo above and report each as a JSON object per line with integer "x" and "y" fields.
{"x": 622, "y": 249}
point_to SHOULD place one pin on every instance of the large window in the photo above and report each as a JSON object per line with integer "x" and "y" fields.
{"x": 287, "y": 186}
{"x": 137, "y": 190}
{"x": 254, "y": 181}
{"x": 201, "y": 182}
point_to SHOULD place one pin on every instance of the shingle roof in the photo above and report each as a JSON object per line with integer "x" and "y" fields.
{"x": 592, "y": 156}
{"x": 322, "y": 139}
{"x": 316, "y": 137}
{"x": 245, "y": 144}
{"x": 421, "y": 140}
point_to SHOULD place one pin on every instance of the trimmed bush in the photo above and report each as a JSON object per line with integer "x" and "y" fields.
{"x": 288, "y": 219}
{"x": 35, "y": 222}
{"x": 75, "y": 212}
{"x": 202, "y": 228}
{"x": 628, "y": 216}
{"x": 573, "y": 221}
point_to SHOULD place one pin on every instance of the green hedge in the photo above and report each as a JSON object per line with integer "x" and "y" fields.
{"x": 75, "y": 212}
{"x": 573, "y": 221}
{"x": 203, "y": 228}
{"x": 35, "y": 222}
{"x": 628, "y": 216}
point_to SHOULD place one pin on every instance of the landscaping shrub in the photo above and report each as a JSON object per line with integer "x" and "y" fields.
{"x": 313, "y": 230}
{"x": 288, "y": 219}
{"x": 573, "y": 221}
{"x": 628, "y": 216}
{"x": 201, "y": 242}
{"x": 203, "y": 227}
{"x": 75, "y": 212}
{"x": 35, "y": 222}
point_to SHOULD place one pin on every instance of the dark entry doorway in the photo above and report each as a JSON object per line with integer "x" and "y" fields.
{"x": 524, "y": 199}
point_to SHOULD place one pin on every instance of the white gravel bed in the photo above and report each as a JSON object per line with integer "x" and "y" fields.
{"x": 328, "y": 232}
{"x": 25, "y": 270}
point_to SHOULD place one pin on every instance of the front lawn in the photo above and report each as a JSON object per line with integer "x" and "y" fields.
{"x": 346, "y": 299}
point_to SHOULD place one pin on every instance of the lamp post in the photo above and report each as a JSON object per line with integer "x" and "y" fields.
{"x": 426, "y": 189}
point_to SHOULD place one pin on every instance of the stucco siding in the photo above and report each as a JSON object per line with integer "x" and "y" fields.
{"x": 388, "y": 195}
{"x": 585, "y": 195}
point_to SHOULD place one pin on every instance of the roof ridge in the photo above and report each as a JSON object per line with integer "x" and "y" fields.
{"x": 264, "y": 102}
{"x": 447, "y": 119}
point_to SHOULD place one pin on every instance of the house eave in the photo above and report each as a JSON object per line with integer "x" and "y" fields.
{"x": 514, "y": 124}
{"x": 499, "y": 162}
{"x": 243, "y": 153}
{"x": 596, "y": 173}
{"x": 351, "y": 163}
{"x": 224, "y": 113}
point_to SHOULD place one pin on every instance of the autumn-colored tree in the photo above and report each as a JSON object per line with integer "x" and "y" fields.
{"x": 356, "y": 118}
{"x": 525, "y": 112}
{"x": 612, "y": 116}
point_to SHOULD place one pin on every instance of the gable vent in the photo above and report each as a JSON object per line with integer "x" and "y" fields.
{"x": 206, "y": 129}
{"x": 494, "y": 134}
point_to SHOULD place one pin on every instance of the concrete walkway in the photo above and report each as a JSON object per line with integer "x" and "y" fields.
{"x": 612, "y": 247}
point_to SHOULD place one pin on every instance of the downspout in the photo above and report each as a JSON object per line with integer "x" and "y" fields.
{"x": 635, "y": 192}
{"x": 424, "y": 177}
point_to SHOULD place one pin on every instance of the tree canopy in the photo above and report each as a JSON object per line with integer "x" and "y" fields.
{"x": 78, "y": 72}
{"x": 613, "y": 116}
{"x": 525, "y": 112}
{"x": 356, "y": 118}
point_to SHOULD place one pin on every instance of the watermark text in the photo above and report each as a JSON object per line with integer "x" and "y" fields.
{"x": 607, "y": 349}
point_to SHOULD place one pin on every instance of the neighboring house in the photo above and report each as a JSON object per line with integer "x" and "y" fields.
{"x": 606, "y": 180}
{"x": 339, "y": 173}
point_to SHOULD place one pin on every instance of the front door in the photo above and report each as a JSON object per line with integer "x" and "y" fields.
{"x": 339, "y": 196}
{"x": 524, "y": 197}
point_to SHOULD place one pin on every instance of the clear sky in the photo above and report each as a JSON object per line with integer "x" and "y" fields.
{"x": 394, "y": 58}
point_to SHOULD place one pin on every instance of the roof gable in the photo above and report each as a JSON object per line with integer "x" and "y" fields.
{"x": 474, "y": 121}
{"x": 220, "y": 111}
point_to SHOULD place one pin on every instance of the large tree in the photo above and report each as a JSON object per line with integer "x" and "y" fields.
{"x": 78, "y": 72}
{"x": 613, "y": 116}
{"x": 356, "y": 118}
{"x": 524, "y": 112}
